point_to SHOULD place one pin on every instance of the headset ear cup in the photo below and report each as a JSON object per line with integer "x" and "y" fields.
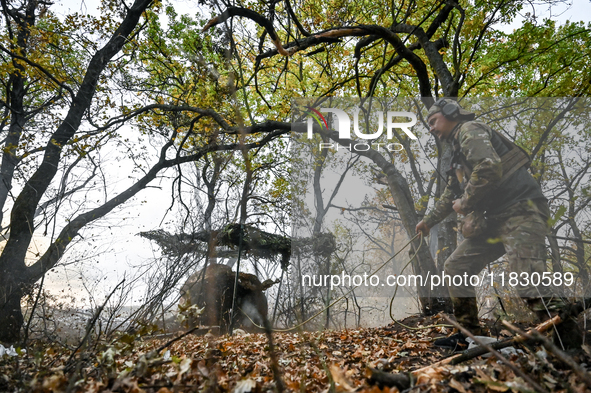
{"x": 450, "y": 111}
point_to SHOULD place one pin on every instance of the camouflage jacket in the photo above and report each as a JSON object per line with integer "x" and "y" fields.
{"x": 478, "y": 171}
{"x": 476, "y": 176}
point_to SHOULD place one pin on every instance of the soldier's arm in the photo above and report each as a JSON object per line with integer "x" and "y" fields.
{"x": 442, "y": 208}
{"x": 486, "y": 165}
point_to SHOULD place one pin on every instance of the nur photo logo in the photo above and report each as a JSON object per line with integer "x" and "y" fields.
{"x": 343, "y": 122}
{"x": 371, "y": 127}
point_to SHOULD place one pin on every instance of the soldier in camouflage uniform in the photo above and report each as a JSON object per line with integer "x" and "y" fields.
{"x": 515, "y": 210}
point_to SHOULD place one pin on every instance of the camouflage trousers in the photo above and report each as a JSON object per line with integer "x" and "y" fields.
{"x": 519, "y": 232}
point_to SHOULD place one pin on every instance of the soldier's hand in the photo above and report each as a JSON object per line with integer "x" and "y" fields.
{"x": 423, "y": 228}
{"x": 458, "y": 207}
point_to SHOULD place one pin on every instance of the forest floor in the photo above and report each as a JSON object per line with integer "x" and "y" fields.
{"x": 337, "y": 361}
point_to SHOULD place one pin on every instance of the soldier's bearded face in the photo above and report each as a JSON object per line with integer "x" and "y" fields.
{"x": 440, "y": 126}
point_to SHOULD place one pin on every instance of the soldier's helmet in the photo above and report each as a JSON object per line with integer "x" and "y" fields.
{"x": 450, "y": 109}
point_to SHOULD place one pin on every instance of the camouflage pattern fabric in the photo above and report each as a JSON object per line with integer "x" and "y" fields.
{"x": 480, "y": 174}
{"x": 519, "y": 233}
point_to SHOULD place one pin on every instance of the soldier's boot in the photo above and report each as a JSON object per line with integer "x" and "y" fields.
{"x": 456, "y": 342}
{"x": 466, "y": 313}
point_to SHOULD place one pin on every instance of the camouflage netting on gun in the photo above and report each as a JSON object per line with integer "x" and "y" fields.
{"x": 174, "y": 245}
{"x": 322, "y": 244}
{"x": 255, "y": 242}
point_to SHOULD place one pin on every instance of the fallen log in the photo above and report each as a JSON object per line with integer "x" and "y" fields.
{"x": 553, "y": 349}
{"x": 403, "y": 380}
{"x": 504, "y": 360}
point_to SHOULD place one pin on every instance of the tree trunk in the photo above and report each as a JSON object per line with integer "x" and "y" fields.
{"x": 447, "y": 238}
{"x": 14, "y": 274}
{"x": 16, "y": 95}
{"x": 554, "y": 252}
{"x": 11, "y": 316}
{"x": 431, "y": 302}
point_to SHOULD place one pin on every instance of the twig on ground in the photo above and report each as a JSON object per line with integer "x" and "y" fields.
{"x": 479, "y": 351}
{"x": 496, "y": 354}
{"x": 89, "y": 326}
{"x": 403, "y": 381}
{"x": 92, "y": 322}
{"x": 399, "y": 380}
{"x": 536, "y": 336}
{"x": 279, "y": 384}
